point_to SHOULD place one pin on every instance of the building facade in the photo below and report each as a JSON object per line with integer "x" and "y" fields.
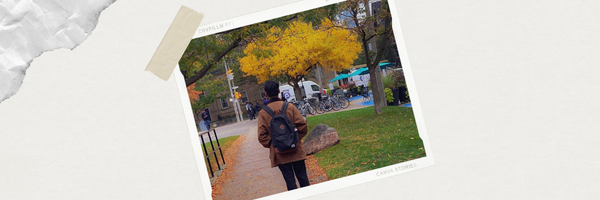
{"x": 252, "y": 92}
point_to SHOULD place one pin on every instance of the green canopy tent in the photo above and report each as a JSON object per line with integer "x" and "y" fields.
{"x": 360, "y": 71}
{"x": 366, "y": 70}
{"x": 386, "y": 65}
{"x": 340, "y": 77}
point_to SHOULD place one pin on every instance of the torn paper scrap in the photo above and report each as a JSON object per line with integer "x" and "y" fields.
{"x": 29, "y": 27}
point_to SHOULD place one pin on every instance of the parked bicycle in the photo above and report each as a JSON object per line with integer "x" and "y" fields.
{"x": 342, "y": 100}
{"x": 304, "y": 107}
{"x": 329, "y": 104}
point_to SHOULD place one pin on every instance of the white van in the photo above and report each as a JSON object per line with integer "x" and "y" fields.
{"x": 360, "y": 80}
{"x": 309, "y": 88}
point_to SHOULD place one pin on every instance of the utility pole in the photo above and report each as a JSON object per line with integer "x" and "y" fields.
{"x": 233, "y": 99}
{"x": 237, "y": 103}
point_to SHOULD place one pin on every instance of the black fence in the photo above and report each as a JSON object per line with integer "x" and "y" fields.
{"x": 213, "y": 153}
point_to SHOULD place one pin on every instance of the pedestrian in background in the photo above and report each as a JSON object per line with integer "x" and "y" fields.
{"x": 257, "y": 107}
{"x": 250, "y": 110}
{"x": 206, "y": 119}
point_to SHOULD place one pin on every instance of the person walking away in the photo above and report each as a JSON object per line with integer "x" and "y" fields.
{"x": 257, "y": 107}
{"x": 290, "y": 162}
{"x": 252, "y": 109}
{"x": 249, "y": 109}
{"x": 206, "y": 119}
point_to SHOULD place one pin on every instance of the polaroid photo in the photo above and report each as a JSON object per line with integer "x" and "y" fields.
{"x": 352, "y": 106}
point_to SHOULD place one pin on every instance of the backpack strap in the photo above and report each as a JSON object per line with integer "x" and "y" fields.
{"x": 266, "y": 108}
{"x": 284, "y": 107}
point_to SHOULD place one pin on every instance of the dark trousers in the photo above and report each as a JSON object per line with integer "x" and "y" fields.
{"x": 207, "y": 123}
{"x": 299, "y": 169}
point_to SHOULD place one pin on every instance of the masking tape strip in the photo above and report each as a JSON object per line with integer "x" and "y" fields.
{"x": 176, "y": 40}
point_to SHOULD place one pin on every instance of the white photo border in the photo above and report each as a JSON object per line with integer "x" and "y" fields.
{"x": 330, "y": 185}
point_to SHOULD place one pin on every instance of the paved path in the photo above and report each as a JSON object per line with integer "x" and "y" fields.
{"x": 252, "y": 175}
{"x": 236, "y": 128}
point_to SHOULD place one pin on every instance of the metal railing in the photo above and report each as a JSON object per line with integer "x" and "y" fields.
{"x": 207, "y": 154}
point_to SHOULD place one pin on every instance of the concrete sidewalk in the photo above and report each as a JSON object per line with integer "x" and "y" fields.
{"x": 252, "y": 175}
{"x": 239, "y": 128}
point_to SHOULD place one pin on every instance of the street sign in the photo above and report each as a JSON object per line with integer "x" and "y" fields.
{"x": 286, "y": 94}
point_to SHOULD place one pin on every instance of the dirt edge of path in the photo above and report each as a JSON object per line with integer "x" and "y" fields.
{"x": 316, "y": 174}
{"x": 230, "y": 159}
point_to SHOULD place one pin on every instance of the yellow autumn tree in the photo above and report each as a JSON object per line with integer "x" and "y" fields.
{"x": 293, "y": 51}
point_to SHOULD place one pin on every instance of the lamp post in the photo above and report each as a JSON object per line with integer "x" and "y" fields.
{"x": 234, "y": 100}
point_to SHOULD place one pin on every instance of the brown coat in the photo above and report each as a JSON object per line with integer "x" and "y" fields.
{"x": 264, "y": 137}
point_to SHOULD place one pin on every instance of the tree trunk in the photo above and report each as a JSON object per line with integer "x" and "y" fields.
{"x": 380, "y": 86}
{"x": 375, "y": 87}
{"x": 297, "y": 91}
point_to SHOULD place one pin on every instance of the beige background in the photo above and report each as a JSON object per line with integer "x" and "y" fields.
{"x": 508, "y": 89}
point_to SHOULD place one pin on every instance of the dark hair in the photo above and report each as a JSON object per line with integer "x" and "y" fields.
{"x": 272, "y": 88}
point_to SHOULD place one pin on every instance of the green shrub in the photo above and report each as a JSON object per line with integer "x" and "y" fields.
{"x": 389, "y": 96}
{"x": 329, "y": 92}
{"x": 388, "y": 82}
{"x": 397, "y": 78}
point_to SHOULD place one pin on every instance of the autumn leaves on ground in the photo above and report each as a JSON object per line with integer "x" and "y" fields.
{"x": 316, "y": 174}
{"x": 367, "y": 141}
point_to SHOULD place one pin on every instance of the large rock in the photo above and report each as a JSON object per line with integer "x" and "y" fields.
{"x": 321, "y": 137}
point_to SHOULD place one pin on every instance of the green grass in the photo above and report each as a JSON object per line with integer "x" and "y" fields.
{"x": 368, "y": 141}
{"x": 225, "y": 144}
